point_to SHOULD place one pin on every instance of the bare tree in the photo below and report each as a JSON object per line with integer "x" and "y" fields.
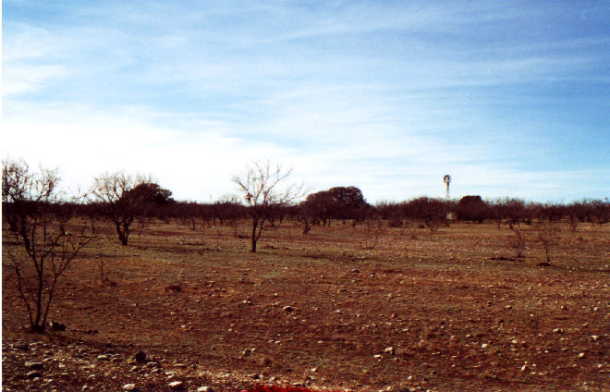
{"x": 23, "y": 191}
{"x": 264, "y": 190}
{"x": 38, "y": 221}
{"x": 548, "y": 236}
{"x": 118, "y": 201}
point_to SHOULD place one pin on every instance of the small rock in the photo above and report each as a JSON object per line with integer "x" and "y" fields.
{"x": 288, "y": 308}
{"x": 34, "y": 374}
{"x": 176, "y": 385}
{"x": 129, "y": 387}
{"x": 55, "y": 326}
{"x": 595, "y": 338}
{"x": 581, "y": 355}
{"x": 389, "y": 350}
{"x": 103, "y": 357}
{"x": 484, "y": 345}
{"x": 205, "y": 388}
{"x": 34, "y": 365}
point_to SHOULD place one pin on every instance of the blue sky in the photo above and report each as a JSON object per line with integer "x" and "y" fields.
{"x": 510, "y": 98}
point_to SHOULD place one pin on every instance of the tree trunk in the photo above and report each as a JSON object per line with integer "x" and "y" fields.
{"x": 254, "y": 237}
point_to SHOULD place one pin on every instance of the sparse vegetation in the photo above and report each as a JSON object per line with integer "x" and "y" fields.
{"x": 548, "y": 236}
{"x": 365, "y": 305}
{"x": 122, "y": 199}
{"x": 265, "y": 191}
{"x": 517, "y": 241}
{"x": 38, "y": 222}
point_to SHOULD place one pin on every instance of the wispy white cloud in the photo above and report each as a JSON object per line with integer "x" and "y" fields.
{"x": 28, "y": 79}
{"x": 386, "y": 96}
{"x": 199, "y": 165}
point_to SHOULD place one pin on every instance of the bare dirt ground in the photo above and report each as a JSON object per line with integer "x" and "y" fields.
{"x": 363, "y": 308}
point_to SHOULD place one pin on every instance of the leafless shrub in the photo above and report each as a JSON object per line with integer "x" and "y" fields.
{"x": 38, "y": 222}
{"x": 517, "y": 241}
{"x": 374, "y": 230}
{"x": 548, "y": 236}
{"x": 103, "y": 275}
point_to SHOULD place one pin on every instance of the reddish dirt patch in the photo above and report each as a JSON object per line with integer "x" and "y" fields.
{"x": 443, "y": 312}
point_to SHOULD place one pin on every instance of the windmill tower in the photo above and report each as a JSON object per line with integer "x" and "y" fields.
{"x": 447, "y": 181}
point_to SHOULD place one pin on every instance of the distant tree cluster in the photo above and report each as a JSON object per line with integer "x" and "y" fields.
{"x": 509, "y": 211}
{"x": 336, "y": 203}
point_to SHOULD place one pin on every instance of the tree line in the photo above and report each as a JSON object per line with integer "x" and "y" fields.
{"x": 124, "y": 200}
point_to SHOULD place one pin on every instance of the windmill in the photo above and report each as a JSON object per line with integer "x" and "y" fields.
{"x": 447, "y": 181}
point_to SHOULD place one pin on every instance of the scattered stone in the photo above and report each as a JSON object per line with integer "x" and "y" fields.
{"x": 389, "y": 350}
{"x": 581, "y": 355}
{"x": 55, "y": 326}
{"x": 205, "y": 388}
{"x": 484, "y": 345}
{"x": 34, "y": 374}
{"x": 103, "y": 357}
{"x": 595, "y": 338}
{"x": 34, "y": 365}
{"x": 176, "y": 385}
{"x": 129, "y": 387}
{"x": 288, "y": 308}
